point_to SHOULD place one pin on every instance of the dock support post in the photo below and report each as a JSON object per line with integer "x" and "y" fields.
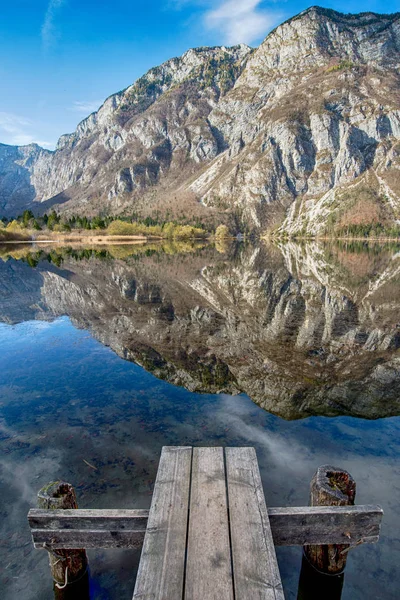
{"x": 69, "y": 568}
{"x": 322, "y": 571}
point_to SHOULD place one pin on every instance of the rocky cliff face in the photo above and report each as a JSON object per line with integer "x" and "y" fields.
{"x": 304, "y": 131}
{"x": 17, "y": 165}
{"x": 305, "y": 330}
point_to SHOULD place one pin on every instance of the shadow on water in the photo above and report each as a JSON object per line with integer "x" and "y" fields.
{"x": 310, "y": 333}
{"x": 314, "y": 585}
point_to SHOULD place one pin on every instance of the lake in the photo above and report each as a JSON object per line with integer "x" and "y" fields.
{"x": 108, "y": 354}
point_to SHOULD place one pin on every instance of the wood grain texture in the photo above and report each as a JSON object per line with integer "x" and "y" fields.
{"x": 86, "y": 538}
{"x": 87, "y": 518}
{"x": 330, "y": 486}
{"x": 88, "y": 528}
{"x": 161, "y": 569}
{"x": 291, "y": 526}
{"x": 208, "y": 570}
{"x": 66, "y": 565}
{"x": 302, "y": 526}
{"x": 256, "y": 572}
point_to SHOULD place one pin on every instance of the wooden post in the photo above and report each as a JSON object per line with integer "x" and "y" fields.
{"x": 69, "y": 568}
{"x": 330, "y": 487}
{"x": 322, "y": 571}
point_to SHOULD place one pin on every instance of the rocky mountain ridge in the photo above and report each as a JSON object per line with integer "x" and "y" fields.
{"x": 301, "y": 134}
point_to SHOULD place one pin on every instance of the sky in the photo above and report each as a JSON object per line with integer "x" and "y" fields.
{"x": 60, "y": 59}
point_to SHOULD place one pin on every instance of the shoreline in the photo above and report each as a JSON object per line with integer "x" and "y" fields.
{"x": 107, "y": 240}
{"x": 329, "y": 239}
{"x": 141, "y": 239}
{"x": 83, "y": 240}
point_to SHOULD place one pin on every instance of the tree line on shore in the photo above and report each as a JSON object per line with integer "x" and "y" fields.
{"x": 28, "y": 225}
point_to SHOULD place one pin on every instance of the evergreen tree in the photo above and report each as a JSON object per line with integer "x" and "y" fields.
{"x": 27, "y": 215}
{"x": 52, "y": 220}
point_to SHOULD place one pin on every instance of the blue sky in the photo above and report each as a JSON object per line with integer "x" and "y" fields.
{"x": 59, "y": 59}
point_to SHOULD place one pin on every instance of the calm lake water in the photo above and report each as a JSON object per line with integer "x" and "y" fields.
{"x": 108, "y": 355}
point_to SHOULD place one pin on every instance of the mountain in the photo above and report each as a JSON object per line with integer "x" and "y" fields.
{"x": 301, "y": 134}
{"x": 308, "y": 330}
{"x": 17, "y": 165}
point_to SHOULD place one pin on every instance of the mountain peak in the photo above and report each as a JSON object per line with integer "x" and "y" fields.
{"x": 359, "y": 19}
{"x": 318, "y": 34}
{"x": 378, "y": 21}
{"x": 279, "y": 134}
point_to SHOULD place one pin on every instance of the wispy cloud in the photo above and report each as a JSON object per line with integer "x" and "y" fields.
{"x": 49, "y": 31}
{"x": 235, "y": 21}
{"x": 19, "y": 131}
{"x": 86, "y": 107}
{"x": 241, "y": 21}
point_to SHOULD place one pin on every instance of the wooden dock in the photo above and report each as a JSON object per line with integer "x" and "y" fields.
{"x": 191, "y": 549}
{"x": 209, "y": 534}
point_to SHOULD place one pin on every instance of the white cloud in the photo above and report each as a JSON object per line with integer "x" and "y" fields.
{"x": 18, "y": 131}
{"x": 13, "y": 123}
{"x": 49, "y": 32}
{"x": 86, "y": 107}
{"x": 241, "y": 21}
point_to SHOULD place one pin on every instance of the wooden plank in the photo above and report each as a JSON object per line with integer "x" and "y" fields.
{"x": 208, "y": 570}
{"x": 255, "y": 568}
{"x": 303, "y": 526}
{"x": 161, "y": 569}
{"x": 86, "y": 538}
{"x": 291, "y": 526}
{"x": 87, "y": 518}
{"x": 88, "y": 528}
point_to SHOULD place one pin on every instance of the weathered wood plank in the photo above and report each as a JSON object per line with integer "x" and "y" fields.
{"x": 291, "y": 526}
{"x": 208, "y": 570}
{"x": 93, "y": 519}
{"x": 88, "y": 528}
{"x": 161, "y": 569}
{"x": 302, "y": 526}
{"x": 87, "y": 538}
{"x": 255, "y": 568}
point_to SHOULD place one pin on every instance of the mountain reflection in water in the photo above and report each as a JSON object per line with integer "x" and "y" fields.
{"x": 302, "y": 330}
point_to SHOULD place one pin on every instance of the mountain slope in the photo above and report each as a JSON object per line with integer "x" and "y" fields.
{"x": 16, "y": 167}
{"x": 305, "y": 130}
